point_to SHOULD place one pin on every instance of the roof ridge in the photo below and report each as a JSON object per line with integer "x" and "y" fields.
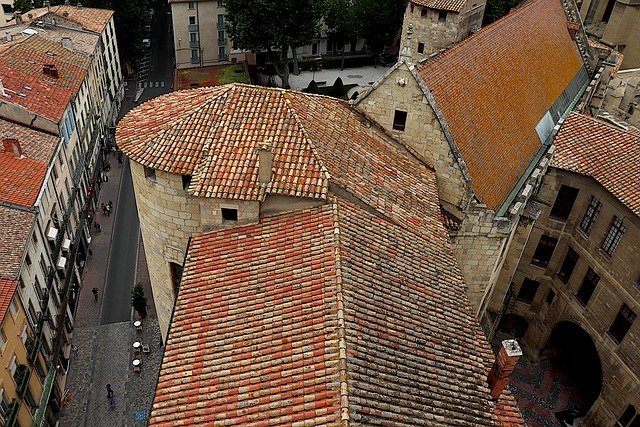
{"x": 286, "y": 95}
{"x": 343, "y": 374}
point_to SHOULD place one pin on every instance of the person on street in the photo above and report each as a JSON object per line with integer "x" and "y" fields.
{"x": 97, "y": 227}
{"x": 110, "y": 397}
{"x": 104, "y": 208}
{"x": 90, "y": 254}
{"x": 95, "y": 293}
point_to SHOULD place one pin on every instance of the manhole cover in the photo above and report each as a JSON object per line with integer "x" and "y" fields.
{"x": 354, "y": 76}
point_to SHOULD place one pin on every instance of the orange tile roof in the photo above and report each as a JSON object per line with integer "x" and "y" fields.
{"x": 604, "y": 152}
{"x": 21, "y": 65}
{"x": 494, "y": 87}
{"x": 20, "y": 179}
{"x": 450, "y": 5}
{"x": 325, "y": 313}
{"x": 213, "y": 135}
{"x": 88, "y": 18}
{"x": 15, "y": 230}
{"x": 7, "y": 290}
{"x": 35, "y": 144}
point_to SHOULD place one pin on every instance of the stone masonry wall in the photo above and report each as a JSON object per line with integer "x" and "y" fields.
{"x": 422, "y": 132}
{"x": 435, "y": 34}
{"x": 619, "y": 277}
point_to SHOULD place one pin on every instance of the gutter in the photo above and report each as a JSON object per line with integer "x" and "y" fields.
{"x": 517, "y": 189}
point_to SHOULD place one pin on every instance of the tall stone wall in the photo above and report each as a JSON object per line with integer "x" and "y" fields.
{"x": 438, "y": 29}
{"x": 168, "y": 218}
{"x": 619, "y": 277}
{"x": 422, "y": 131}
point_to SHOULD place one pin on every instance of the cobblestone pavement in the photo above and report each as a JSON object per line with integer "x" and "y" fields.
{"x": 105, "y": 352}
{"x": 542, "y": 389}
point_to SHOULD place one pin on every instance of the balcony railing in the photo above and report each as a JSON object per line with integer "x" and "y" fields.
{"x": 194, "y": 45}
{"x": 195, "y": 60}
{"x": 221, "y": 25}
{"x": 222, "y": 42}
{"x": 12, "y": 413}
{"x": 223, "y": 57}
{"x": 193, "y": 28}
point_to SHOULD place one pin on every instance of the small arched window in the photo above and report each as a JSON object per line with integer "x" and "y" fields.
{"x": 629, "y": 417}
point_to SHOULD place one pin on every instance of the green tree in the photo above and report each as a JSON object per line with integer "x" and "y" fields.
{"x": 379, "y": 21}
{"x": 138, "y": 300}
{"x": 341, "y": 22}
{"x": 275, "y": 27}
{"x": 496, "y": 9}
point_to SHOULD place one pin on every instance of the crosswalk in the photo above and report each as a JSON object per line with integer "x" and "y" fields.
{"x": 144, "y": 85}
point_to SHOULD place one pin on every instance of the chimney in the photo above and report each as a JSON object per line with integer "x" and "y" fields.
{"x": 12, "y": 145}
{"x": 18, "y": 17}
{"x": 265, "y": 162}
{"x": 500, "y": 373}
{"x": 9, "y": 36}
{"x": 50, "y": 70}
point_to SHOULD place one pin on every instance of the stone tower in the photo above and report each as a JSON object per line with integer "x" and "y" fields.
{"x": 431, "y": 25}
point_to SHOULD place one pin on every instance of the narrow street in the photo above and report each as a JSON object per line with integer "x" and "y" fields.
{"x": 104, "y": 332}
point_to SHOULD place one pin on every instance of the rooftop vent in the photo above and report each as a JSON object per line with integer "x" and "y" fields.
{"x": 65, "y": 13}
{"x": 9, "y": 36}
{"x": 67, "y": 43}
{"x": 28, "y": 32}
{"x": 12, "y": 145}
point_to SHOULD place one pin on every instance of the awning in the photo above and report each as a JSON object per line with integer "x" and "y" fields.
{"x": 38, "y": 419}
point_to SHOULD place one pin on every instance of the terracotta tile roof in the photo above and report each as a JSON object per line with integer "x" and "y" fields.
{"x": 450, "y": 5}
{"x": 15, "y": 230}
{"x": 315, "y": 315}
{"x": 88, "y": 18}
{"x": 20, "y": 179}
{"x": 35, "y": 144}
{"x": 21, "y": 65}
{"x": 213, "y": 135}
{"x": 604, "y": 152}
{"x": 494, "y": 87}
{"x": 7, "y": 290}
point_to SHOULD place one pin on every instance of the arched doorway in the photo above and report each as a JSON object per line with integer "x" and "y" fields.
{"x": 573, "y": 353}
{"x": 513, "y": 325}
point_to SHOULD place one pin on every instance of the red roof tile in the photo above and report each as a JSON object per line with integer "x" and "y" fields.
{"x": 7, "y": 290}
{"x": 15, "y": 230}
{"x": 451, "y": 5}
{"x": 315, "y": 314}
{"x": 604, "y": 152}
{"x": 21, "y": 177}
{"x": 213, "y": 135}
{"x": 21, "y": 65}
{"x": 494, "y": 87}
{"x": 90, "y": 19}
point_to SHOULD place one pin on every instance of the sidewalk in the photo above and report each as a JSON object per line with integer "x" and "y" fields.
{"x": 105, "y": 352}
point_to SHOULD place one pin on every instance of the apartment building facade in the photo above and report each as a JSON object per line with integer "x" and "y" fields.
{"x": 200, "y": 36}
{"x": 577, "y": 280}
{"x": 6, "y": 10}
{"x": 60, "y": 82}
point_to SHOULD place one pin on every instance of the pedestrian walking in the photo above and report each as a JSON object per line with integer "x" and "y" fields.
{"x": 97, "y": 227}
{"x": 108, "y": 210}
{"x": 95, "y": 293}
{"x": 90, "y": 254}
{"x": 104, "y": 208}
{"x": 110, "y": 397}
{"x": 110, "y": 205}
